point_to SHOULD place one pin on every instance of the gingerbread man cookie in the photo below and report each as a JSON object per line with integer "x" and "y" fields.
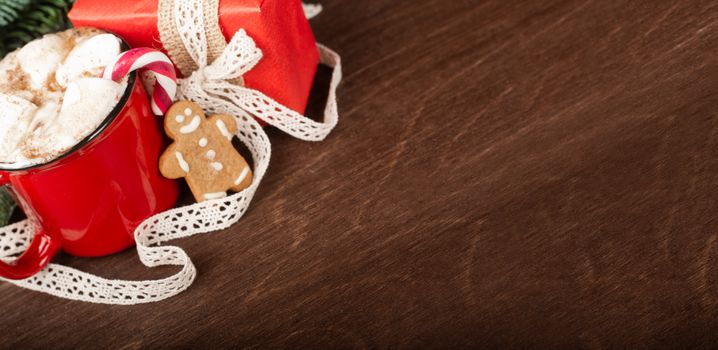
{"x": 203, "y": 153}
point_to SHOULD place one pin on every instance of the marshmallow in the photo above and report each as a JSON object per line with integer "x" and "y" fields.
{"x": 86, "y": 104}
{"x": 15, "y": 114}
{"x": 39, "y": 143}
{"x": 7, "y": 67}
{"x": 13, "y": 80}
{"x": 41, "y": 57}
{"x": 88, "y": 58}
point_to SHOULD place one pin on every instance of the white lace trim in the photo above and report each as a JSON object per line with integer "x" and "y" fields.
{"x": 208, "y": 87}
{"x": 312, "y": 10}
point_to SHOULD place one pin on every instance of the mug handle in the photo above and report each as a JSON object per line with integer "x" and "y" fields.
{"x": 41, "y": 250}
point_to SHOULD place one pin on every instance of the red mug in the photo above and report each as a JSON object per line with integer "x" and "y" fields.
{"x": 89, "y": 201}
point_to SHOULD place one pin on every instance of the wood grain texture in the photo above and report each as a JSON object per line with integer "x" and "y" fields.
{"x": 505, "y": 174}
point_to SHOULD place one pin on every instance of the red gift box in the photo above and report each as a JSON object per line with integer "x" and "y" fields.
{"x": 279, "y": 27}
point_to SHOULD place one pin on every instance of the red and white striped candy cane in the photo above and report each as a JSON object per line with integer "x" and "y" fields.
{"x": 151, "y": 60}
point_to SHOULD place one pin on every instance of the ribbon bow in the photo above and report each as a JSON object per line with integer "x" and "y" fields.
{"x": 238, "y": 58}
{"x": 210, "y": 85}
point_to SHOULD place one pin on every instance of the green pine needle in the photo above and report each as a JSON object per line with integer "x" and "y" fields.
{"x": 24, "y": 20}
{"x": 6, "y": 206}
{"x": 10, "y": 10}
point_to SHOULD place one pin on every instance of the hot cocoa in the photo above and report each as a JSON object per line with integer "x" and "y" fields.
{"x": 52, "y": 95}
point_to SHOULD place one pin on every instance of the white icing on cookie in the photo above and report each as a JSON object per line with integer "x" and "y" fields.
{"x": 211, "y": 154}
{"x": 223, "y": 129}
{"x": 192, "y": 126}
{"x": 179, "y": 118}
{"x": 182, "y": 163}
{"x": 188, "y": 111}
{"x": 203, "y": 142}
{"x": 217, "y": 166}
{"x": 215, "y": 195}
{"x": 242, "y": 176}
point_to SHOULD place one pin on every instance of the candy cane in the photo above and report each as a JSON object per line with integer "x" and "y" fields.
{"x": 151, "y": 60}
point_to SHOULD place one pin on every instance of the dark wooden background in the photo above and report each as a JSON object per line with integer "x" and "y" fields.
{"x": 505, "y": 174}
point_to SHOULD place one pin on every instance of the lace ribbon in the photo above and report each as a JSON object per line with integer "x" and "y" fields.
{"x": 210, "y": 86}
{"x": 311, "y": 10}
